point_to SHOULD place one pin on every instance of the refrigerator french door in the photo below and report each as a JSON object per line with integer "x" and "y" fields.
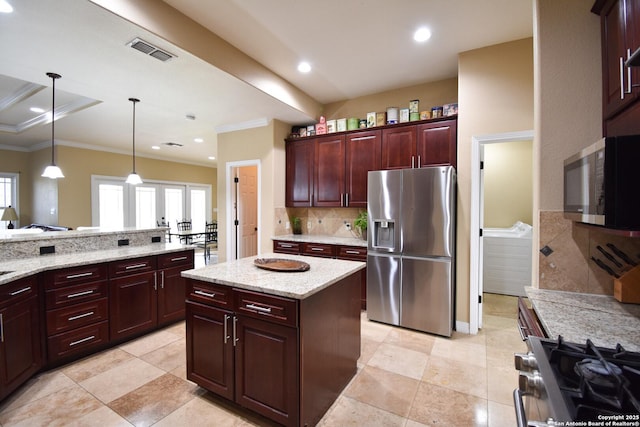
{"x": 411, "y": 252}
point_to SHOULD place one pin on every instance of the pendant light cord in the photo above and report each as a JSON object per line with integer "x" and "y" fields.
{"x": 53, "y": 76}
{"x": 134, "y": 100}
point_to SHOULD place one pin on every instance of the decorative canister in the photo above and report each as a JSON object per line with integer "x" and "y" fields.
{"x": 425, "y": 115}
{"x": 363, "y": 123}
{"x": 371, "y": 119}
{"x": 404, "y": 115}
{"x": 331, "y": 126}
{"x": 381, "y": 119}
{"x": 392, "y": 115}
{"x": 436, "y": 112}
{"x": 341, "y": 125}
{"x": 353, "y": 123}
{"x": 414, "y": 106}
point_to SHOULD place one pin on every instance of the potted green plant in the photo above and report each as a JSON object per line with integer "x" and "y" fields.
{"x": 360, "y": 224}
{"x": 296, "y": 225}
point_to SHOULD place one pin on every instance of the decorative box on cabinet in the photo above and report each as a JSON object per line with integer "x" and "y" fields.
{"x": 21, "y": 343}
{"x": 77, "y": 314}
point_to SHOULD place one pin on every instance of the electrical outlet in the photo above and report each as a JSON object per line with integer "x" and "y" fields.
{"x": 287, "y": 225}
{"x": 308, "y": 225}
{"x": 346, "y": 224}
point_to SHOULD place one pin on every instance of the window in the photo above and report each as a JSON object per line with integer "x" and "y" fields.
{"x": 8, "y": 195}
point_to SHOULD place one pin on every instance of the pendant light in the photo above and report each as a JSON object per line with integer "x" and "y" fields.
{"x": 52, "y": 171}
{"x": 134, "y": 178}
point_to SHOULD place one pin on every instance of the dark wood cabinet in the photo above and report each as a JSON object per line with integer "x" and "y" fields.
{"x": 21, "y": 337}
{"x": 399, "y": 147}
{"x": 356, "y": 253}
{"x": 329, "y": 171}
{"x": 620, "y": 32}
{"x": 171, "y": 290}
{"x": 299, "y": 173}
{"x": 437, "y": 143}
{"x": 362, "y": 154}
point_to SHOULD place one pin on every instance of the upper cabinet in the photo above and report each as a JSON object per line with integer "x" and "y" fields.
{"x": 620, "y": 29}
{"x": 331, "y": 170}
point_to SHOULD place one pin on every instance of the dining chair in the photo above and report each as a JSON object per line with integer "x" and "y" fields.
{"x": 210, "y": 239}
{"x": 185, "y": 225}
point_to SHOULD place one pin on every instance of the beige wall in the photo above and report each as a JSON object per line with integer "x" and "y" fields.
{"x": 264, "y": 145}
{"x": 73, "y": 202}
{"x": 495, "y": 86}
{"x": 429, "y": 94}
{"x": 508, "y": 183}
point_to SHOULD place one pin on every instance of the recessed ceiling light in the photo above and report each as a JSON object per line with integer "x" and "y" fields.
{"x": 422, "y": 34}
{"x": 155, "y": 147}
{"x": 36, "y": 109}
{"x": 198, "y": 140}
{"x": 211, "y": 157}
{"x": 304, "y": 67}
{"x": 5, "y": 7}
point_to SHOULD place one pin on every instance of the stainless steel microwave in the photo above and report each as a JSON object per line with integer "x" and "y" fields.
{"x": 602, "y": 183}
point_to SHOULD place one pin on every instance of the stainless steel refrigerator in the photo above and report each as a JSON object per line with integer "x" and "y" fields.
{"x": 411, "y": 248}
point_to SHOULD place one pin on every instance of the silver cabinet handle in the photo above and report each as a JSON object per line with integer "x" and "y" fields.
{"x": 412, "y": 162}
{"x": 81, "y": 341}
{"x": 80, "y": 316}
{"x": 235, "y": 334}
{"x": 226, "y": 332}
{"x": 258, "y": 308}
{"x": 342, "y": 200}
{"x": 204, "y": 294}
{"x": 419, "y": 166}
{"x": 1, "y": 328}
{"x": 75, "y": 276}
{"x": 13, "y": 294}
{"x": 621, "y": 77}
{"x": 361, "y": 138}
{"x": 346, "y": 199}
{"x": 79, "y": 294}
{"x": 162, "y": 279}
{"x": 317, "y": 249}
{"x": 155, "y": 281}
{"x": 181, "y": 258}
{"x": 629, "y": 85}
{"x": 131, "y": 267}
{"x": 285, "y": 245}
{"x": 352, "y": 252}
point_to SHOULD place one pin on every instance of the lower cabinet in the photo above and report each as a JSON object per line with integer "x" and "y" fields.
{"x": 21, "y": 347}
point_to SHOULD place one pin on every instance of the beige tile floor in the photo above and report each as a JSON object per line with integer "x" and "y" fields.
{"x": 404, "y": 378}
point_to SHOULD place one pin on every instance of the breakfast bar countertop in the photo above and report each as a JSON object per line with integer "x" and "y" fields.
{"x": 244, "y": 274}
{"x": 18, "y": 268}
{"x": 579, "y": 316}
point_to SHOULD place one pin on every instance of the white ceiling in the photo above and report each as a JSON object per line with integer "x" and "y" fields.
{"x": 356, "y": 47}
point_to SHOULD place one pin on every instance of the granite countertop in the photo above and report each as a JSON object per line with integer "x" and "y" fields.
{"x": 243, "y": 274}
{"x": 35, "y": 234}
{"x": 578, "y": 317}
{"x": 19, "y": 268}
{"x": 319, "y": 238}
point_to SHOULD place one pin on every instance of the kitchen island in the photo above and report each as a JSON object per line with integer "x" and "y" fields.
{"x": 283, "y": 344}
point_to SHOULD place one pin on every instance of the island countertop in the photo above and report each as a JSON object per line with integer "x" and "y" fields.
{"x": 579, "y": 316}
{"x": 18, "y": 268}
{"x": 320, "y": 238}
{"x": 244, "y": 274}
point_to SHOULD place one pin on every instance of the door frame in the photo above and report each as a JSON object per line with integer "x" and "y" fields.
{"x": 475, "y": 270}
{"x": 230, "y": 197}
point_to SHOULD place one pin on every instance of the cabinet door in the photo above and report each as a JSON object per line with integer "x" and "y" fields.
{"x": 267, "y": 369}
{"x": 363, "y": 151}
{"x": 133, "y": 305}
{"x": 328, "y": 179}
{"x": 299, "y": 173}
{"x": 171, "y": 295}
{"x": 437, "y": 144}
{"x": 21, "y": 344}
{"x": 399, "y": 147}
{"x": 210, "y": 362}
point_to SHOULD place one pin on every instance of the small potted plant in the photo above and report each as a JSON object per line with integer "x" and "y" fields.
{"x": 360, "y": 224}
{"x": 296, "y": 225}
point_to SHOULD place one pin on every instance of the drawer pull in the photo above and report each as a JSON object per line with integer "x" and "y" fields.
{"x": 13, "y": 294}
{"x": 285, "y": 245}
{"x": 75, "y": 276}
{"x": 258, "y": 308}
{"x": 204, "y": 294}
{"x": 180, "y": 258}
{"x": 82, "y": 340}
{"x": 80, "y": 294}
{"x": 131, "y": 267}
{"x": 353, "y": 252}
{"x": 317, "y": 249}
{"x": 80, "y": 316}
{"x": 1, "y": 329}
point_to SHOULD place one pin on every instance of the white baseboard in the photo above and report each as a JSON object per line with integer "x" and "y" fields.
{"x": 462, "y": 327}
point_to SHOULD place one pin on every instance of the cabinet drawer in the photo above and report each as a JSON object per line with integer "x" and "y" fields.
{"x": 209, "y": 293}
{"x": 132, "y": 266}
{"x": 319, "y": 250}
{"x": 286, "y": 247}
{"x": 71, "y": 276}
{"x": 66, "y": 318}
{"x": 19, "y": 290}
{"x": 176, "y": 259}
{"x": 354, "y": 253}
{"x": 266, "y": 307}
{"x": 78, "y": 340}
{"x": 75, "y": 294}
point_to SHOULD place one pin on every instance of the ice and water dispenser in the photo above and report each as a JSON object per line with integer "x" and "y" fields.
{"x": 384, "y": 234}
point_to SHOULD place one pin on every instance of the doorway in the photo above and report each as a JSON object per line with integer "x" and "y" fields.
{"x": 479, "y": 144}
{"x": 242, "y": 209}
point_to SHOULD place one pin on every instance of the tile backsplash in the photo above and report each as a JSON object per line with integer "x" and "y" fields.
{"x": 566, "y": 251}
{"x": 324, "y": 221}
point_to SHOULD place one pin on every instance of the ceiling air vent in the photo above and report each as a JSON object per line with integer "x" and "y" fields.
{"x": 149, "y": 49}
{"x": 172, "y": 144}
